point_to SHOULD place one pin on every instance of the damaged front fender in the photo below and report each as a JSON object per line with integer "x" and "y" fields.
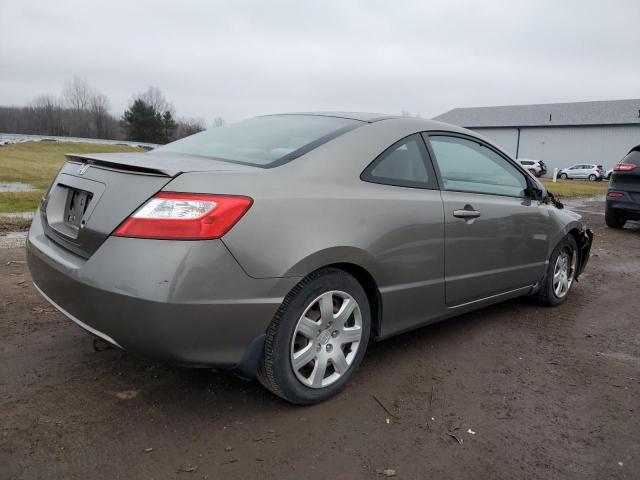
{"x": 584, "y": 239}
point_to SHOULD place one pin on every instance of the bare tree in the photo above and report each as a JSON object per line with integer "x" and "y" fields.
{"x": 48, "y": 114}
{"x": 219, "y": 122}
{"x": 99, "y": 109}
{"x": 189, "y": 126}
{"x": 154, "y": 98}
{"x": 77, "y": 93}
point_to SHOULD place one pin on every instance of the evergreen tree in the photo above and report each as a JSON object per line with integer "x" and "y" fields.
{"x": 149, "y": 119}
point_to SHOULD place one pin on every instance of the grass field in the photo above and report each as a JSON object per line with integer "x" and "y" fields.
{"x": 575, "y": 188}
{"x": 36, "y": 163}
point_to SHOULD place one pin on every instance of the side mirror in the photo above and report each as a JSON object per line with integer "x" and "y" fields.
{"x": 535, "y": 190}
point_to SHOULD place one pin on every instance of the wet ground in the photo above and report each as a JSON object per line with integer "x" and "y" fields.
{"x": 514, "y": 391}
{"x": 16, "y": 187}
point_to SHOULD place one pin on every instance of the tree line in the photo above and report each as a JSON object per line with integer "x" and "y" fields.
{"x": 83, "y": 111}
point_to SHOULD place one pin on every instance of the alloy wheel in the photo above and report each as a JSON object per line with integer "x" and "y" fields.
{"x": 326, "y": 339}
{"x": 564, "y": 272}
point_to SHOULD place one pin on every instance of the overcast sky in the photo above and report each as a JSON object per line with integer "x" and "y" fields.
{"x": 236, "y": 59}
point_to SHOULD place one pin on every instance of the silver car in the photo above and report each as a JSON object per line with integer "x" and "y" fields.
{"x": 588, "y": 171}
{"x": 533, "y": 166}
{"x": 280, "y": 246}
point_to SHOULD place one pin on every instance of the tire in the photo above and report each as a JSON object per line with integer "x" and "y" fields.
{"x": 612, "y": 220}
{"x": 547, "y": 294}
{"x": 563, "y": 176}
{"x": 592, "y": 178}
{"x": 291, "y": 333}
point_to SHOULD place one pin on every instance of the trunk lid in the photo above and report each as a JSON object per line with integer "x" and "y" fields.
{"x": 93, "y": 193}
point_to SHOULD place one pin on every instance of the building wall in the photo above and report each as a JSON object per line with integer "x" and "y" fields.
{"x": 564, "y": 146}
{"x": 505, "y": 138}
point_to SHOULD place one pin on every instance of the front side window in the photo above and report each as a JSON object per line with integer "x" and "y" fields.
{"x": 404, "y": 164}
{"x": 263, "y": 141}
{"x": 468, "y": 166}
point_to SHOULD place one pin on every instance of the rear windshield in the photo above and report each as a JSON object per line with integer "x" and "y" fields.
{"x": 263, "y": 141}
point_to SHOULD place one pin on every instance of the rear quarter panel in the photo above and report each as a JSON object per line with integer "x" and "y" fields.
{"x": 315, "y": 211}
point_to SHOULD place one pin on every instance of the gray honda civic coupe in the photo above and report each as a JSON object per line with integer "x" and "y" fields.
{"x": 280, "y": 246}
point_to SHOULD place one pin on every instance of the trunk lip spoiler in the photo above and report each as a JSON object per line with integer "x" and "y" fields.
{"x": 86, "y": 160}
{"x": 160, "y": 164}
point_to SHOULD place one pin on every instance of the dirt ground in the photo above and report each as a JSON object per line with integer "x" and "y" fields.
{"x": 512, "y": 391}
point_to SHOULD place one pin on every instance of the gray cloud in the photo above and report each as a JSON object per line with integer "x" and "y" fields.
{"x": 243, "y": 58}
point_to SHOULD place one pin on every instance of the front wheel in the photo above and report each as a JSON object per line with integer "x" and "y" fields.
{"x": 561, "y": 273}
{"x": 317, "y": 338}
{"x": 563, "y": 176}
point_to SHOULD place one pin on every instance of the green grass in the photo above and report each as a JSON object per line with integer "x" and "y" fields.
{"x": 575, "y": 188}
{"x": 36, "y": 163}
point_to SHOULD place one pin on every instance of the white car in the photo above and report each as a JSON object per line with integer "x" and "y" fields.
{"x": 607, "y": 175}
{"x": 590, "y": 171}
{"x": 536, "y": 167}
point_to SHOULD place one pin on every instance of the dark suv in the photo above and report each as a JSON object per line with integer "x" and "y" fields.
{"x": 623, "y": 197}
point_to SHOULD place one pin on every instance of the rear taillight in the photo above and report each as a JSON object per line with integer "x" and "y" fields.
{"x": 185, "y": 216}
{"x": 624, "y": 167}
{"x": 615, "y": 194}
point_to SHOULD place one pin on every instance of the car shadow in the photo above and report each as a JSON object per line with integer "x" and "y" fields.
{"x": 179, "y": 390}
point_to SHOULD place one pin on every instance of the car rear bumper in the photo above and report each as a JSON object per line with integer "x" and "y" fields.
{"x": 185, "y": 302}
{"x": 624, "y": 206}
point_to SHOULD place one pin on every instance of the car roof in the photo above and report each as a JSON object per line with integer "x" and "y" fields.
{"x": 418, "y": 122}
{"x": 368, "y": 117}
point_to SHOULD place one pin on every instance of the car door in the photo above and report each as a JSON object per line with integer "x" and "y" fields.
{"x": 496, "y": 237}
{"x": 408, "y": 235}
{"x": 574, "y": 171}
{"x": 583, "y": 171}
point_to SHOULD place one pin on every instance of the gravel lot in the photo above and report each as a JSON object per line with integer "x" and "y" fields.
{"x": 511, "y": 391}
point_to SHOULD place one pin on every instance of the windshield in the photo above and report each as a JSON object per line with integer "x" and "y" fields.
{"x": 263, "y": 141}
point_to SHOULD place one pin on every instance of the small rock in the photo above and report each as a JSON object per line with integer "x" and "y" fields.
{"x": 188, "y": 469}
{"x": 389, "y": 472}
{"x": 127, "y": 394}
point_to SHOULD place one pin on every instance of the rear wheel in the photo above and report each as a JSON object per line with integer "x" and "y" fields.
{"x": 592, "y": 178}
{"x": 612, "y": 220}
{"x": 317, "y": 338}
{"x": 563, "y": 176}
{"x": 561, "y": 273}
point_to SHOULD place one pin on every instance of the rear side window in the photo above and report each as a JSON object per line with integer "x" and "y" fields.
{"x": 405, "y": 163}
{"x": 633, "y": 157}
{"x": 263, "y": 141}
{"x": 468, "y": 166}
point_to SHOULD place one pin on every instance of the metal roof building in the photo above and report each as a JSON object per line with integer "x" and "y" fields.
{"x": 561, "y": 134}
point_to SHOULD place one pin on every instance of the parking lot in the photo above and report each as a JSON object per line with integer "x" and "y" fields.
{"x": 511, "y": 391}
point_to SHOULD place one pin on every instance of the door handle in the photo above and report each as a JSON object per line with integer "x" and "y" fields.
{"x": 467, "y": 213}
